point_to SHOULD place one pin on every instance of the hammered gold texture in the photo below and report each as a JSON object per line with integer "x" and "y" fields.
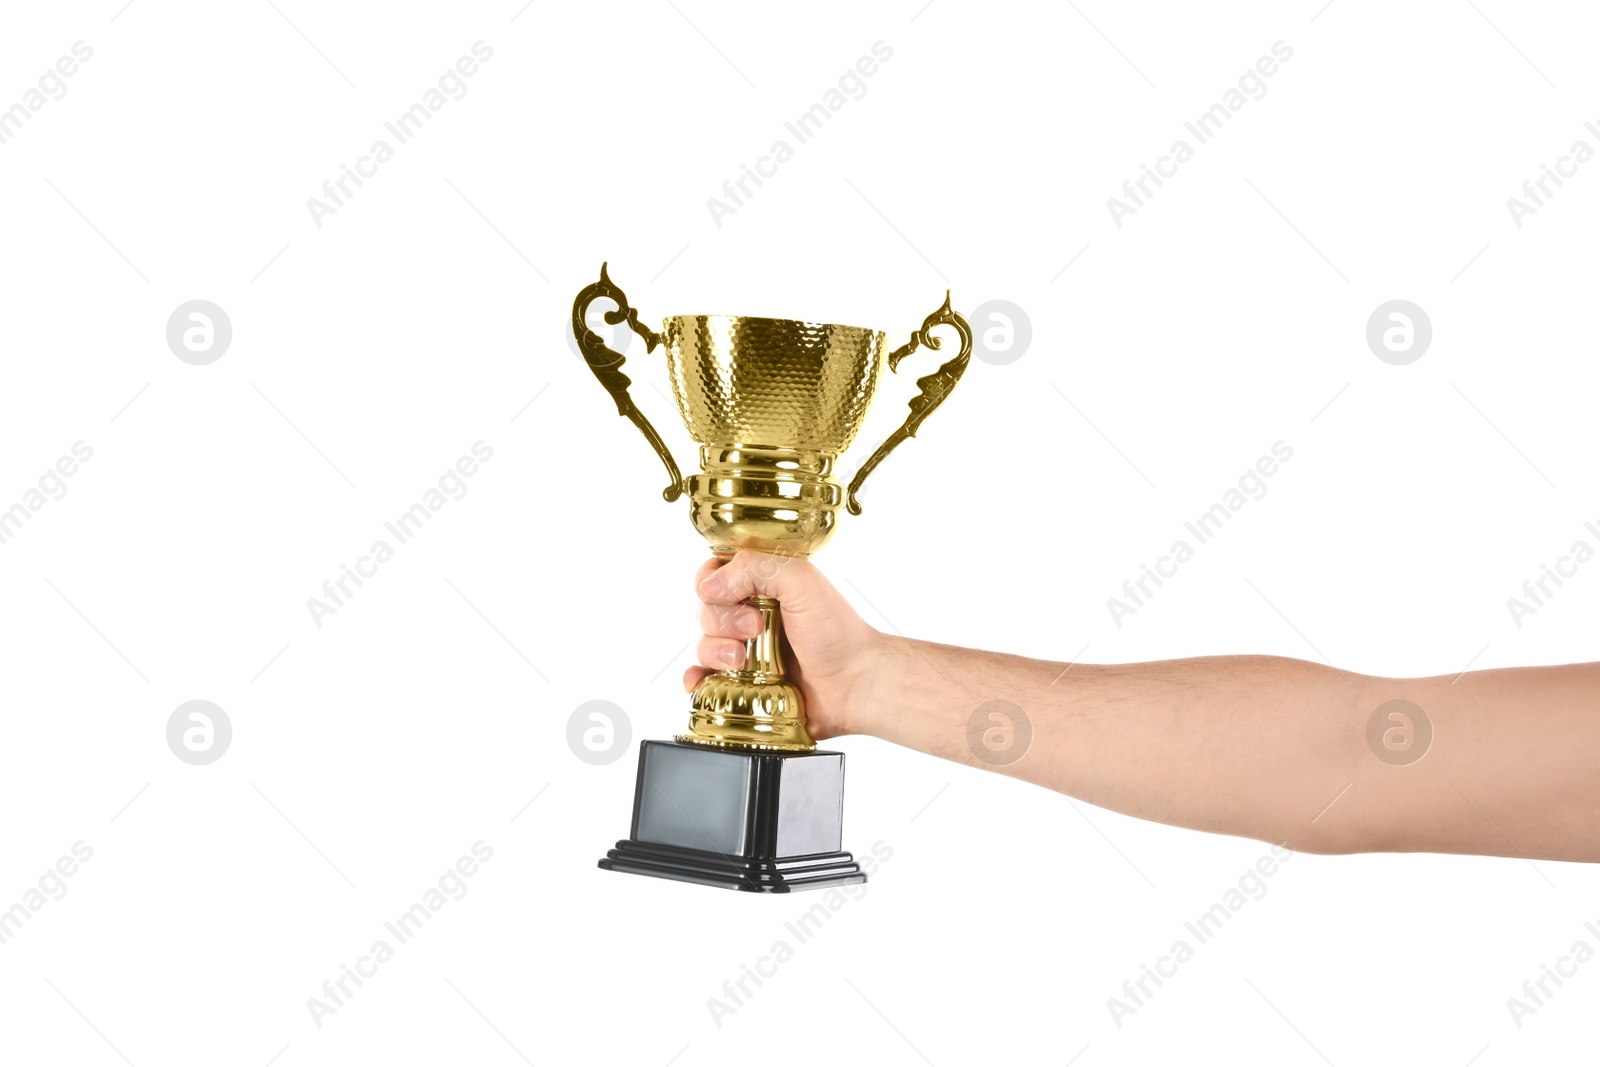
{"x": 777, "y": 382}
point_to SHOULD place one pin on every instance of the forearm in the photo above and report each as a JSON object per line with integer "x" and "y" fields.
{"x": 1271, "y": 748}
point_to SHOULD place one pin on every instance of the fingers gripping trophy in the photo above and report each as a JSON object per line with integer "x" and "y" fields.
{"x": 744, "y": 799}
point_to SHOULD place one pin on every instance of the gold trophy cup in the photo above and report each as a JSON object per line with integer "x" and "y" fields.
{"x": 773, "y": 404}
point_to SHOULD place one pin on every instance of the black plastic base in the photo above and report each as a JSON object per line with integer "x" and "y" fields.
{"x": 762, "y": 822}
{"x": 725, "y": 872}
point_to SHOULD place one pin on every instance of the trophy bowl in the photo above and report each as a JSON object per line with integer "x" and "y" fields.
{"x": 774, "y": 402}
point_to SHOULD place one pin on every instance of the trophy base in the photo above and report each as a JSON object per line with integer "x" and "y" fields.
{"x": 757, "y": 821}
{"x": 751, "y": 876}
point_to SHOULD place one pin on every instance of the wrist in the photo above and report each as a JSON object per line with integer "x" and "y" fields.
{"x": 869, "y": 705}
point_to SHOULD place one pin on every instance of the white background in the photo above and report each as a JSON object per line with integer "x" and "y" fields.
{"x": 429, "y": 312}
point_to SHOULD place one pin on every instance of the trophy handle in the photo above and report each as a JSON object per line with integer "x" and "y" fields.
{"x": 934, "y": 388}
{"x": 607, "y": 365}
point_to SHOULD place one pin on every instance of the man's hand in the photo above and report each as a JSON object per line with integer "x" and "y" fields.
{"x": 829, "y": 651}
{"x": 1261, "y": 746}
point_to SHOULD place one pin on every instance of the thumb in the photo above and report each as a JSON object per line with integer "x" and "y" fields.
{"x": 790, "y": 579}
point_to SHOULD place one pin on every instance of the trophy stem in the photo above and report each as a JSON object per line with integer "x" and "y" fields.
{"x": 754, "y": 707}
{"x": 763, "y": 653}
